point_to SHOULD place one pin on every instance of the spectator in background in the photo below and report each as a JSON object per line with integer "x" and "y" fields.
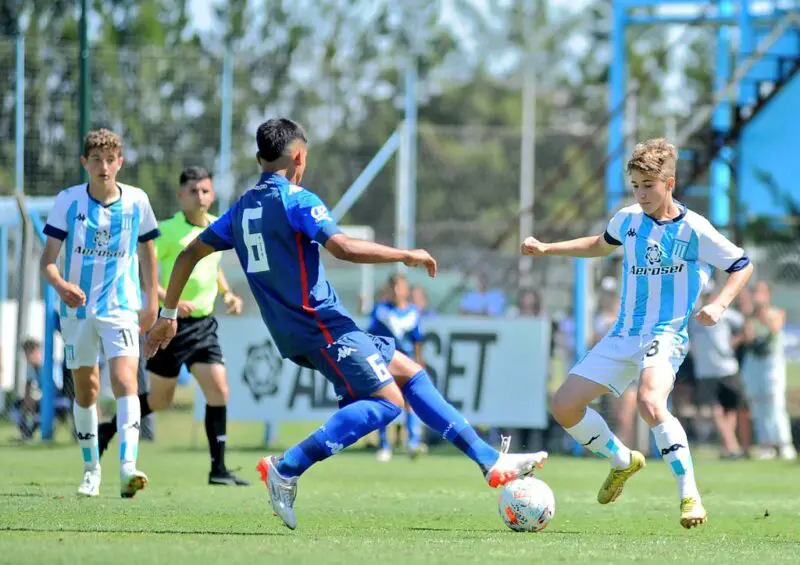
{"x": 483, "y": 301}
{"x": 744, "y": 421}
{"x": 28, "y": 406}
{"x": 765, "y": 376}
{"x": 420, "y": 299}
{"x": 717, "y": 372}
{"x": 399, "y": 319}
{"x": 529, "y": 303}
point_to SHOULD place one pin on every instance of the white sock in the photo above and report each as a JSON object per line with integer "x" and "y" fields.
{"x": 671, "y": 440}
{"x": 86, "y": 428}
{"x": 593, "y": 433}
{"x": 128, "y": 422}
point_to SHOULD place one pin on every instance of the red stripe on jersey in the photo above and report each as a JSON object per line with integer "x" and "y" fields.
{"x": 336, "y": 368}
{"x": 304, "y": 288}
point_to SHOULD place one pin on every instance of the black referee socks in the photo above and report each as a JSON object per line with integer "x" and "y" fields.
{"x": 216, "y": 428}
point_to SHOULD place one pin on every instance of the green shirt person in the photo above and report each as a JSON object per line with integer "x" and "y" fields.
{"x": 196, "y": 344}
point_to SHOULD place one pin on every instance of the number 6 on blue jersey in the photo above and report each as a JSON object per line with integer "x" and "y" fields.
{"x": 257, "y": 261}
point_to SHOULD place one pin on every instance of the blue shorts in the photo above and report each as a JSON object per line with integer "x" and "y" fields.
{"x": 357, "y": 364}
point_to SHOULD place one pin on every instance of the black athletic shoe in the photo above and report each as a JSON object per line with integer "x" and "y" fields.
{"x": 226, "y": 477}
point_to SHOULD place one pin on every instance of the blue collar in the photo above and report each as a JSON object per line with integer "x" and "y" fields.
{"x": 674, "y": 220}
{"x": 110, "y": 204}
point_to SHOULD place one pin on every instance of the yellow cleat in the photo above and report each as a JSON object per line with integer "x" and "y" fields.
{"x": 692, "y": 513}
{"x": 615, "y": 482}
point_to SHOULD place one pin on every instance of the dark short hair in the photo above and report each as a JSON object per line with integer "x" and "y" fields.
{"x": 275, "y": 135}
{"x": 30, "y": 345}
{"x": 194, "y": 173}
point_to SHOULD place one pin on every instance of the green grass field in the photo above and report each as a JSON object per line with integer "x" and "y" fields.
{"x": 353, "y": 510}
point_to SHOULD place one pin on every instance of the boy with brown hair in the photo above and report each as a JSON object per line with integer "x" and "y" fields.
{"x": 107, "y": 231}
{"x": 669, "y": 255}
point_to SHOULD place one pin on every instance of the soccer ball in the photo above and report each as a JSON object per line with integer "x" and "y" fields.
{"x": 527, "y": 505}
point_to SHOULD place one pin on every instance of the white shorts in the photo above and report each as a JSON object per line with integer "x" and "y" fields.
{"x": 615, "y": 362}
{"x": 119, "y": 337}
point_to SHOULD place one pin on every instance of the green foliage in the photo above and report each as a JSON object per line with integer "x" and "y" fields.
{"x": 156, "y": 80}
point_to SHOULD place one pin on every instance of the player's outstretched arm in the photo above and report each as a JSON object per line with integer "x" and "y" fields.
{"x": 360, "y": 251}
{"x": 167, "y": 326}
{"x": 184, "y": 265}
{"x": 149, "y": 268}
{"x": 591, "y": 246}
{"x": 71, "y": 294}
{"x": 233, "y": 302}
{"x": 711, "y": 313}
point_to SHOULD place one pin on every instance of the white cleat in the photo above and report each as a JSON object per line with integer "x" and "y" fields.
{"x": 512, "y": 466}
{"x": 131, "y": 482}
{"x": 91, "y": 483}
{"x": 384, "y": 455}
{"x": 282, "y": 491}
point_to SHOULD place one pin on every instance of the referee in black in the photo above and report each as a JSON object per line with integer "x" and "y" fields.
{"x": 196, "y": 344}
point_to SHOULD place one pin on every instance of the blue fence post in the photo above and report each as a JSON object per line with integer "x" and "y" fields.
{"x": 579, "y": 315}
{"x": 47, "y": 406}
{"x": 4, "y": 260}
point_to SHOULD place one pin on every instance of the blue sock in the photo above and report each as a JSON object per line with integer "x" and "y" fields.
{"x": 437, "y": 413}
{"x": 414, "y": 427}
{"x": 383, "y": 437}
{"x": 344, "y": 428}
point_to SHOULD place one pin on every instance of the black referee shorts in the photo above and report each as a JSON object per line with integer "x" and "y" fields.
{"x": 195, "y": 342}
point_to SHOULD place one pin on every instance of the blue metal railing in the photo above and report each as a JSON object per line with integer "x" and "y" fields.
{"x": 47, "y": 404}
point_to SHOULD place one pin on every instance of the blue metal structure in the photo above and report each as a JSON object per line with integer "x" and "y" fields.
{"x": 728, "y": 124}
{"x": 47, "y": 404}
{"x": 362, "y": 182}
{"x": 725, "y": 14}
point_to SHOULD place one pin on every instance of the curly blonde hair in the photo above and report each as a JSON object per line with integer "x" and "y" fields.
{"x": 102, "y": 139}
{"x": 655, "y": 157}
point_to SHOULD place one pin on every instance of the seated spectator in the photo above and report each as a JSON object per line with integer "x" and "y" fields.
{"x": 27, "y": 408}
{"x": 483, "y": 301}
{"x": 420, "y": 299}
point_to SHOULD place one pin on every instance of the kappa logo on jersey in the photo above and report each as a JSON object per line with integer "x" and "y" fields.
{"x": 344, "y": 353}
{"x": 80, "y": 217}
{"x": 294, "y": 189}
{"x": 102, "y": 237}
{"x": 631, "y": 233}
{"x": 320, "y": 214}
{"x": 262, "y": 369}
{"x": 653, "y": 254}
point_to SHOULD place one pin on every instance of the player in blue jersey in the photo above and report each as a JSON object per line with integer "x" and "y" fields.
{"x": 669, "y": 255}
{"x": 399, "y": 319}
{"x": 276, "y": 229}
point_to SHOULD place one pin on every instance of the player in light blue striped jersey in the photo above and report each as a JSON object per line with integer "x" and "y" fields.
{"x": 669, "y": 255}
{"x": 106, "y": 228}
